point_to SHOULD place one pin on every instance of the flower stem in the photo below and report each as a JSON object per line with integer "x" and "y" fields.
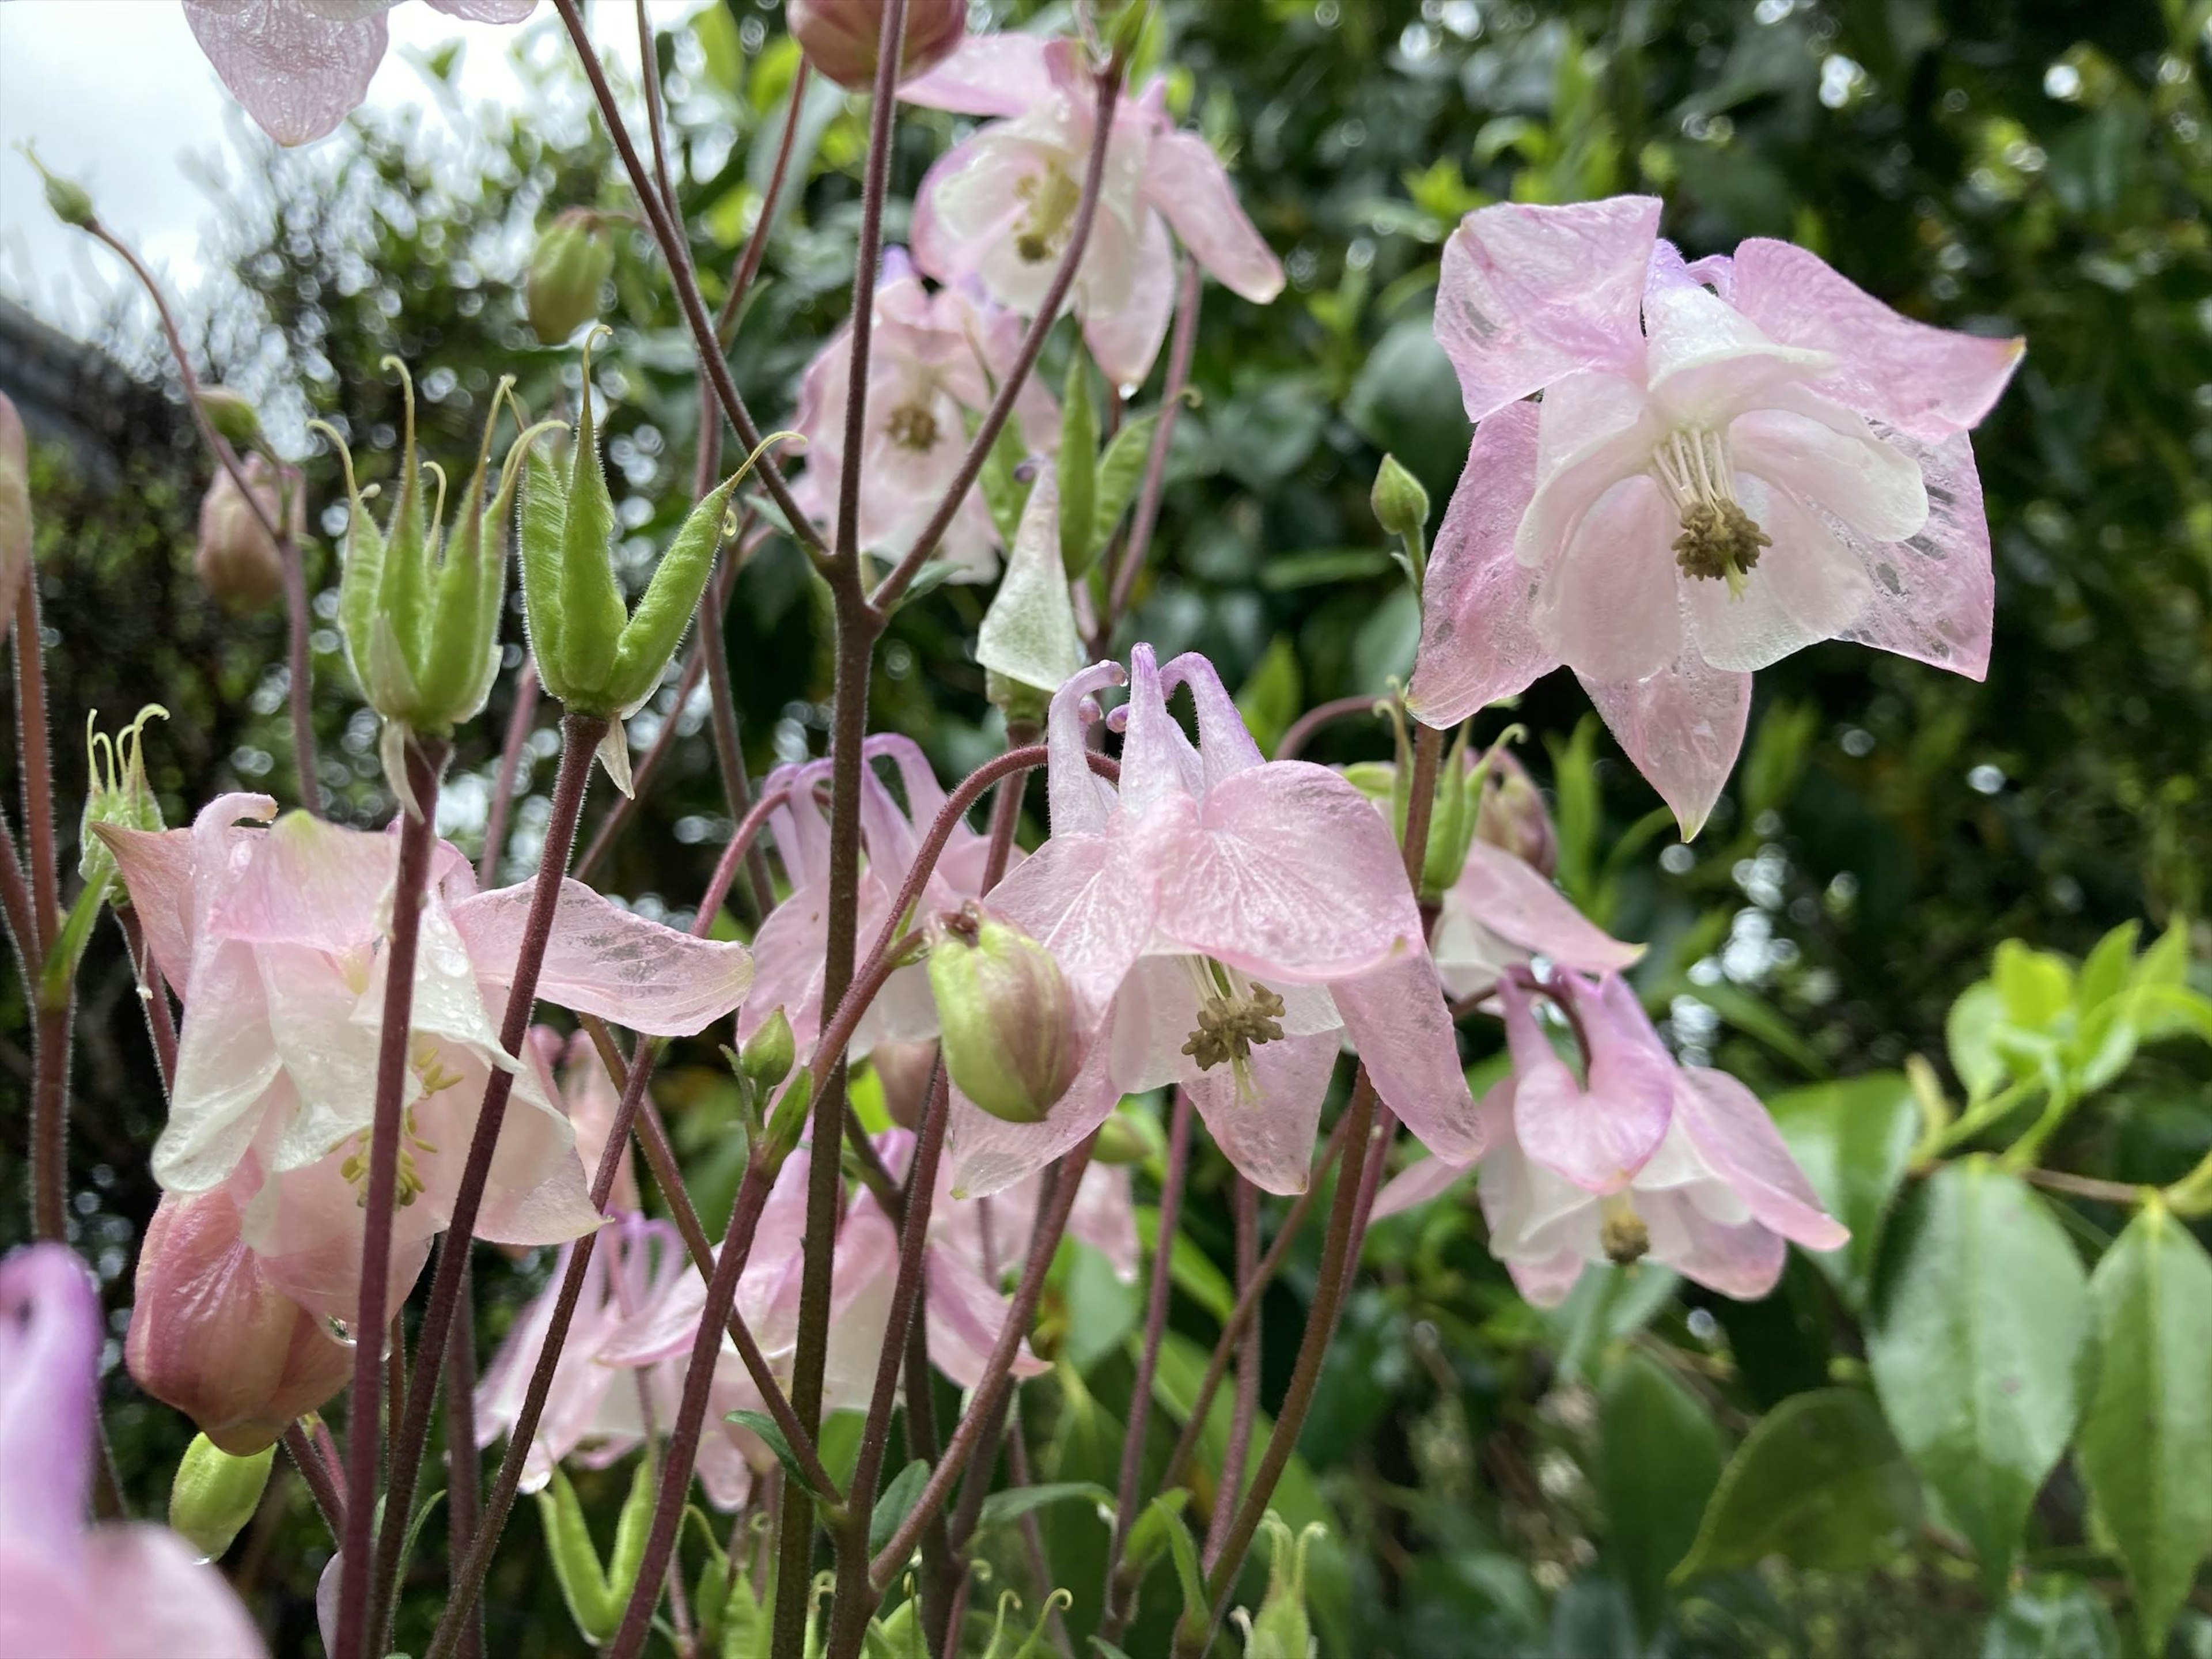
{"x": 329, "y": 1498}
{"x": 1293, "y": 742}
{"x": 1156, "y": 461}
{"x": 1247, "y": 1407}
{"x": 425, "y": 765}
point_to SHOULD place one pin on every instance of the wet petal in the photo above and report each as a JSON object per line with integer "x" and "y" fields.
{"x": 1599, "y": 1132}
{"x": 1934, "y": 594}
{"x": 1397, "y": 1020}
{"x": 296, "y": 73}
{"x": 1185, "y": 180}
{"x": 1515, "y": 901}
{"x": 1830, "y": 458}
{"x": 1732, "y": 1131}
{"x": 1265, "y": 1125}
{"x": 1683, "y": 727}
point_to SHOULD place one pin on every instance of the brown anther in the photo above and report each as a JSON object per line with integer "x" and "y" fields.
{"x": 913, "y": 427}
{"x": 1230, "y": 1028}
{"x": 1720, "y": 542}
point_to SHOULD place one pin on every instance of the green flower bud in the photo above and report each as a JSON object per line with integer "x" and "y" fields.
{"x": 215, "y": 1494}
{"x": 15, "y": 508}
{"x": 1281, "y": 1629}
{"x": 1007, "y": 1018}
{"x": 568, "y": 268}
{"x": 116, "y": 793}
{"x": 592, "y": 653}
{"x": 786, "y": 1123}
{"x": 769, "y": 1053}
{"x": 1130, "y": 1135}
{"x": 232, "y": 415}
{"x": 419, "y": 607}
{"x": 70, "y": 201}
{"x": 1402, "y": 507}
{"x": 575, "y": 1560}
{"x": 1512, "y": 814}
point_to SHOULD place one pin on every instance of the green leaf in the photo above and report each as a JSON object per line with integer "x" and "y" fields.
{"x": 633, "y": 1528}
{"x": 1853, "y": 1139}
{"x": 1184, "y": 1552}
{"x": 1078, "y": 468}
{"x": 2106, "y": 970}
{"x": 1193, "y": 1271}
{"x": 1660, "y": 1460}
{"x": 1004, "y": 491}
{"x": 2035, "y": 987}
{"x": 762, "y": 1425}
{"x": 575, "y": 1560}
{"x": 1120, "y": 470}
{"x": 1150, "y": 1535}
{"x": 2145, "y": 1440}
{"x": 896, "y": 1504}
{"x": 1819, "y": 1482}
{"x": 1273, "y": 697}
{"x": 1970, "y": 1032}
{"x": 1002, "y": 1507}
{"x": 2053, "y": 1617}
{"x": 1608, "y": 1304}
{"x": 1322, "y": 566}
{"x": 1979, "y": 1310}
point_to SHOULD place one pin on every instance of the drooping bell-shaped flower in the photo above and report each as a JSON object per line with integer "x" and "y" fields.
{"x": 1225, "y": 922}
{"x": 1636, "y": 1155}
{"x": 105, "y": 1592}
{"x": 1000, "y": 206}
{"x": 1732, "y": 460}
{"x": 934, "y": 361}
{"x": 236, "y": 560}
{"x": 212, "y": 1335}
{"x": 843, "y": 37}
{"x": 299, "y": 66}
{"x": 274, "y": 939}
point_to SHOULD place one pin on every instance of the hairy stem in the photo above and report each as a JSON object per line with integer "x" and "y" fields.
{"x": 1247, "y": 1403}
{"x": 329, "y": 1496}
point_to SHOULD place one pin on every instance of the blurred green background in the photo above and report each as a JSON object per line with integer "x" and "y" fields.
{"x": 2030, "y": 166}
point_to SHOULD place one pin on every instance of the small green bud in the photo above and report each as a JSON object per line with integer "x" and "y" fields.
{"x": 568, "y": 268}
{"x": 786, "y": 1123}
{"x": 769, "y": 1053}
{"x": 575, "y": 1559}
{"x": 1130, "y": 1135}
{"x": 1402, "y": 507}
{"x": 215, "y": 1494}
{"x": 70, "y": 201}
{"x": 116, "y": 793}
{"x": 232, "y": 415}
{"x": 1007, "y": 1018}
{"x": 1281, "y": 1629}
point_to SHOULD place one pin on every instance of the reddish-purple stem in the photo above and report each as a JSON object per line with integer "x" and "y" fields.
{"x": 1246, "y": 1409}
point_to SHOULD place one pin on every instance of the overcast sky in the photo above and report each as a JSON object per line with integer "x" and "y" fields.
{"x": 116, "y": 94}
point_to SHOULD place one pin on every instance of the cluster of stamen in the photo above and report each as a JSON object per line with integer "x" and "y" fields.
{"x": 1621, "y": 1232}
{"x": 436, "y": 1076}
{"x": 1053, "y": 197}
{"x": 913, "y": 426}
{"x": 1234, "y": 1016}
{"x": 1720, "y": 542}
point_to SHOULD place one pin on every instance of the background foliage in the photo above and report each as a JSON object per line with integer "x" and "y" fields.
{"x": 2002, "y": 165}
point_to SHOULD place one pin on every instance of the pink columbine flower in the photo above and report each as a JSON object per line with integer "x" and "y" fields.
{"x": 1000, "y": 207}
{"x": 1638, "y": 1155}
{"x": 1732, "y": 460}
{"x": 790, "y": 947}
{"x": 590, "y": 1098}
{"x": 937, "y": 359}
{"x": 275, "y": 940}
{"x": 300, "y": 66}
{"x": 599, "y": 1407}
{"x": 1225, "y": 922}
{"x": 105, "y": 1592}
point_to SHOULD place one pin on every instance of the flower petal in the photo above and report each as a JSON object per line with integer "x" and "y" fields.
{"x": 1002, "y": 74}
{"x": 297, "y": 74}
{"x": 1418, "y": 1183}
{"x": 1266, "y": 1127}
{"x": 1597, "y": 1133}
{"x": 1124, "y": 331}
{"x": 1514, "y": 901}
{"x": 1829, "y": 458}
{"x": 155, "y": 1596}
{"x": 1530, "y": 294}
{"x": 1185, "y": 180}
{"x": 50, "y": 1332}
{"x": 966, "y": 1317}
{"x": 1606, "y": 606}
{"x": 1397, "y": 1020}
{"x": 1090, "y": 900}
{"x": 1732, "y": 1132}
{"x": 1930, "y": 382}
{"x": 988, "y": 1154}
{"x": 1740, "y": 1260}
{"x": 1933, "y": 595}
{"x": 1683, "y": 727}
{"x": 158, "y": 869}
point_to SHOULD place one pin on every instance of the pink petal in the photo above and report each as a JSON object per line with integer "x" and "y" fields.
{"x": 50, "y": 1331}
{"x": 1397, "y": 1020}
{"x": 1090, "y": 900}
{"x": 487, "y": 11}
{"x": 297, "y": 74}
{"x": 607, "y": 961}
{"x": 1709, "y": 362}
{"x": 1515, "y": 902}
{"x": 1742, "y": 1260}
{"x": 1225, "y": 746}
{"x": 155, "y": 1596}
{"x": 1265, "y": 1126}
{"x": 1683, "y": 727}
{"x": 1105, "y": 1217}
{"x": 310, "y": 883}
{"x": 966, "y": 1317}
{"x": 590, "y": 1098}
{"x": 1158, "y": 760}
{"x": 1080, "y": 800}
{"x": 1595, "y": 1134}
{"x": 788, "y": 957}
{"x": 1545, "y": 1281}
{"x": 1185, "y": 180}
{"x": 1606, "y": 606}
{"x": 1828, "y": 457}
{"x": 226, "y": 1062}
{"x": 1418, "y": 1183}
{"x": 1477, "y": 642}
{"x": 1733, "y": 1133}
{"x": 1933, "y": 595}
{"x": 1530, "y": 294}
{"x": 1125, "y": 336}
{"x": 1929, "y": 382}
{"x": 988, "y": 1154}
{"x": 157, "y": 867}
{"x": 1002, "y": 74}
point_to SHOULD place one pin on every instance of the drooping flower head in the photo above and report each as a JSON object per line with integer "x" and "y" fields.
{"x": 1635, "y": 1155}
{"x": 299, "y": 66}
{"x": 935, "y": 360}
{"x": 1000, "y": 206}
{"x": 1732, "y": 460}
{"x": 1225, "y": 922}
{"x": 106, "y": 1592}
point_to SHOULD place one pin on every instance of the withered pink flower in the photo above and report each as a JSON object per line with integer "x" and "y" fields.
{"x": 1732, "y": 460}
{"x": 935, "y": 360}
{"x": 211, "y": 1334}
{"x": 300, "y": 66}
{"x": 1225, "y": 923}
{"x": 275, "y": 938}
{"x": 104, "y": 1592}
{"x": 1636, "y": 1156}
{"x": 1000, "y": 207}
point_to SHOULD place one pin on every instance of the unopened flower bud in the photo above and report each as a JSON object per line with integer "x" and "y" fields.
{"x": 787, "y": 1122}
{"x": 70, "y": 201}
{"x": 1010, "y": 1037}
{"x": 1402, "y": 507}
{"x": 116, "y": 793}
{"x": 839, "y": 37}
{"x": 237, "y": 559}
{"x": 769, "y": 1053}
{"x": 1128, "y": 1137}
{"x": 903, "y": 1070}
{"x": 15, "y": 508}
{"x": 568, "y": 268}
{"x": 1513, "y": 815}
{"x": 211, "y": 1335}
{"x": 215, "y": 1494}
{"x": 232, "y": 415}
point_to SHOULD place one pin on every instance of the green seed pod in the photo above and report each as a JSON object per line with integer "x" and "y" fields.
{"x": 1130, "y": 1135}
{"x": 232, "y": 415}
{"x": 215, "y": 1494}
{"x": 569, "y": 268}
{"x": 70, "y": 201}
{"x": 769, "y": 1053}
{"x": 1011, "y": 1036}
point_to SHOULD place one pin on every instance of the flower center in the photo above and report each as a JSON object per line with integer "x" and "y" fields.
{"x": 431, "y": 1070}
{"x": 1053, "y": 195}
{"x": 1720, "y": 542}
{"x": 912, "y": 426}
{"x": 1234, "y": 1016}
{"x": 1622, "y": 1231}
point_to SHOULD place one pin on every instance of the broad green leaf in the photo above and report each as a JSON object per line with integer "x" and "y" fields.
{"x": 1002, "y": 1507}
{"x": 2105, "y": 971}
{"x": 897, "y": 1503}
{"x": 2145, "y": 1440}
{"x": 1979, "y": 1310}
{"x": 1184, "y": 1553}
{"x": 1120, "y": 469}
{"x": 1819, "y": 1482}
{"x": 1970, "y": 1033}
{"x": 1660, "y": 1460}
{"x": 1608, "y": 1304}
{"x": 2054, "y": 1616}
{"x": 1101, "y": 1308}
{"x": 1005, "y": 494}
{"x": 1078, "y": 468}
{"x": 1853, "y": 1139}
{"x": 2034, "y": 987}
{"x": 1150, "y": 1535}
